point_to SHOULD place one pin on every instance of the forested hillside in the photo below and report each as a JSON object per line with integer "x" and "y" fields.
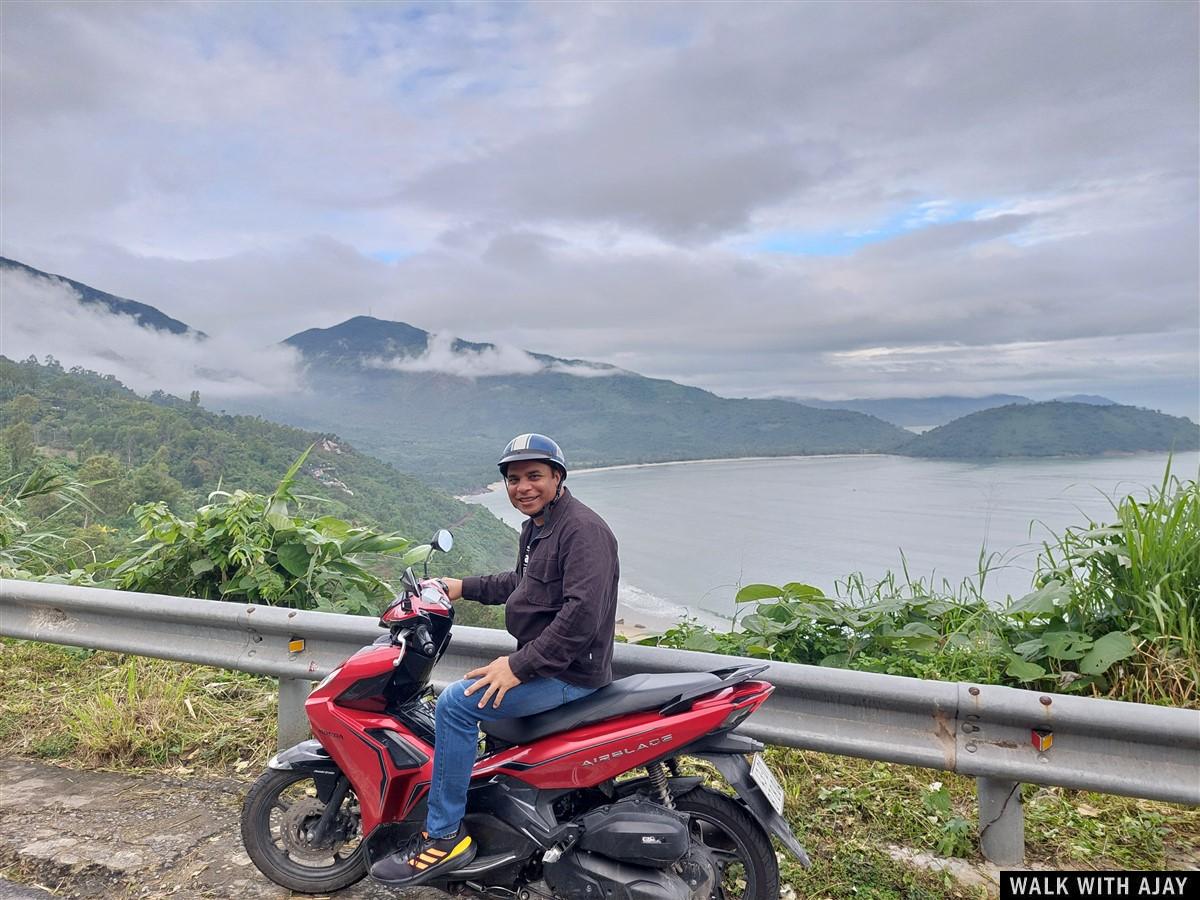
{"x": 133, "y": 450}
{"x": 1056, "y": 429}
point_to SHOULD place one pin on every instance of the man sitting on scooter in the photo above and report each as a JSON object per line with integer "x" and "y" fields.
{"x": 560, "y": 604}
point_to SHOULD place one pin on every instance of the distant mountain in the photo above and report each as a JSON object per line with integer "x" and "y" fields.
{"x": 1056, "y": 429}
{"x": 1093, "y": 399}
{"x": 910, "y": 412}
{"x": 441, "y": 410}
{"x": 147, "y": 316}
{"x": 367, "y": 341}
{"x": 446, "y": 425}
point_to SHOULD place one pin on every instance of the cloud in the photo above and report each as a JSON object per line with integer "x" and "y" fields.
{"x": 602, "y": 181}
{"x": 441, "y": 356}
{"x": 581, "y": 369}
{"x": 43, "y": 316}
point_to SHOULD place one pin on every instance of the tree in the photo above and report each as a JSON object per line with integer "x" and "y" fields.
{"x": 152, "y": 482}
{"x": 105, "y": 482}
{"x": 22, "y": 407}
{"x": 18, "y": 439}
{"x": 194, "y": 399}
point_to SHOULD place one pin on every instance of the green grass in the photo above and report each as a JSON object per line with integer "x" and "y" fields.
{"x": 113, "y": 711}
{"x": 1140, "y": 574}
{"x": 109, "y": 710}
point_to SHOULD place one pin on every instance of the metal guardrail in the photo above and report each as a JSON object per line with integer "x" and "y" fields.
{"x": 978, "y": 730}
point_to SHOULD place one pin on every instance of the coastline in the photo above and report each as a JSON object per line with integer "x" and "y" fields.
{"x": 496, "y": 485}
{"x": 1110, "y": 454}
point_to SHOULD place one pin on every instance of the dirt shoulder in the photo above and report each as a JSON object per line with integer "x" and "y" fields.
{"x": 102, "y": 834}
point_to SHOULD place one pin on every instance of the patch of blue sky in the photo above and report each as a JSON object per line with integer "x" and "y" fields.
{"x": 844, "y": 242}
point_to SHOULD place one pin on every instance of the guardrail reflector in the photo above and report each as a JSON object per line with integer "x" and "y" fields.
{"x": 1041, "y": 738}
{"x": 295, "y": 645}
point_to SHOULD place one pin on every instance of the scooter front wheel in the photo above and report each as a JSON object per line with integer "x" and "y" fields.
{"x": 279, "y": 818}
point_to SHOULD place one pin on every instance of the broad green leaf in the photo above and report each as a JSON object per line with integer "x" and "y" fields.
{"x": 836, "y": 660}
{"x": 757, "y": 624}
{"x": 702, "y": 641}
{"x": 1024, "y": 671}
{"x": 1066, "y": 644}
{"x": 1079, "y": 685}
{"x": 798, "y": 591}
{"x": 752, "y": 592}
{"x": 1043, "y": 602}
{"x": 959, "y": 641}
{"x": 200, "y": 566}
{"x": 295, "y": 558}
{"x": 921, "y": 644}
{"x": 333, "y": 526}
{"x": 1034, "y": 648}
{"x": 277, "y": 515}
{"x": 374, "y": 543}
{"x": 415, "y": 555}
{"x": 912, "y": 629}
{"x": 1112, "y": 648}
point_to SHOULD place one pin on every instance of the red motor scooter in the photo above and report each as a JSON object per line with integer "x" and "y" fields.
{"x": 555, "y": 804}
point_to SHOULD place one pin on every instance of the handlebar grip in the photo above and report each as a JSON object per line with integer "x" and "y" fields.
{"x": 423, "y": 640}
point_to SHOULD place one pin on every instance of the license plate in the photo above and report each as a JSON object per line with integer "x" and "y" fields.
{"x": 767, "y": 782}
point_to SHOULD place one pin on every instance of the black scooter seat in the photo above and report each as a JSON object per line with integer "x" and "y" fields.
{"x": 625, "y": 695}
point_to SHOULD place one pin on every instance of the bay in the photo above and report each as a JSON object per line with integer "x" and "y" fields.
{"x": 691, "y": 533}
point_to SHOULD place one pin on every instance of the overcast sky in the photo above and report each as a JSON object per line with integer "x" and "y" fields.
{"x": 813, "y": 199}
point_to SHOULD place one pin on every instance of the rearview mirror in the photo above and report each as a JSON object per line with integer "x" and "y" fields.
{"x": 443, "y": 540}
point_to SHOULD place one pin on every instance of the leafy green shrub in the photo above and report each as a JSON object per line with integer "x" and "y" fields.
{"x": 251, "y": 548}
{"x": 1133, "y": 588}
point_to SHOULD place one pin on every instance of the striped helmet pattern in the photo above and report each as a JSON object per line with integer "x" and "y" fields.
{"x": 533, "y": 446}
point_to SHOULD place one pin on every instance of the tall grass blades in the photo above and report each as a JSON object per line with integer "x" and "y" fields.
{"x": 1141, "y": 576}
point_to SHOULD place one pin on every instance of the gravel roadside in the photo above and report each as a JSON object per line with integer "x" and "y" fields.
{"x": 102, "y": 834}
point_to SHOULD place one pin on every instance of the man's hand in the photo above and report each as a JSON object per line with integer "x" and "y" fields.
{"x": 497, "y": 677}
{"x": 453, "y": 588}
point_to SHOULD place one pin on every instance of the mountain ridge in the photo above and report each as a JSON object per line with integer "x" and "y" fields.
{"x": 438, "y": 408}
{"x": 146, "y": 315}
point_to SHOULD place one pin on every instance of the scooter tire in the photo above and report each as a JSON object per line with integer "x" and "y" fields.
{"x": 720, "y": 822}
{"x": 265, "y": 850}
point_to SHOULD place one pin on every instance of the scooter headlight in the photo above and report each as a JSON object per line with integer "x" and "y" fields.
{"x": 328, "y": 678}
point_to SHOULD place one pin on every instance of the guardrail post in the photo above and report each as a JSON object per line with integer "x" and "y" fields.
{"x": 1001, "y": 821}
{"x": 293, "y": 723}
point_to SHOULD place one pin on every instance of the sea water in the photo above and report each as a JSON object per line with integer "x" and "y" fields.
{"x": 691, "y": 533}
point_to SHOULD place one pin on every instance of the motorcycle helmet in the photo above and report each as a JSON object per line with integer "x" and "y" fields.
{"x": 536, "y": 447}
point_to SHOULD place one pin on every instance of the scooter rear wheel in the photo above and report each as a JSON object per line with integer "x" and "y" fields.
{"x": 743, "y": 852}
{"x": 278, "y": 816}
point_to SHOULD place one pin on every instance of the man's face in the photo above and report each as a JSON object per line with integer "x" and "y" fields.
{"x": 531, "y": 485}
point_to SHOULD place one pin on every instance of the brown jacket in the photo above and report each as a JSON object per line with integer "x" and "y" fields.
{"x": 561, "y": 602}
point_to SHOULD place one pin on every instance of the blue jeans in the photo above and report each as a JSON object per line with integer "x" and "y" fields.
{"x": 457, "y": 738}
